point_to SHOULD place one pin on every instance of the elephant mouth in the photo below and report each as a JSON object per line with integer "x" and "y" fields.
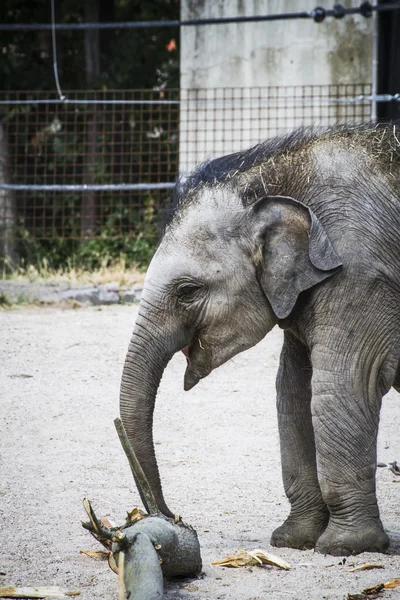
{"x": 190, "y": 380}
{"x": 197, "y": 365}
{"x": 186, "y": 351}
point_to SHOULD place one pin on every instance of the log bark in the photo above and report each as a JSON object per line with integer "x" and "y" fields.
{"x": 143, "y": 576}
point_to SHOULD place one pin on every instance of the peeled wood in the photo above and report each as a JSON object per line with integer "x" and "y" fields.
{"x": 121, "y": 576}
{"x": 48, "y": 591}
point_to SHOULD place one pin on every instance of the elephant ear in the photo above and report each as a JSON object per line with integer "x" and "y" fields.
{"x": 294, "y": 252}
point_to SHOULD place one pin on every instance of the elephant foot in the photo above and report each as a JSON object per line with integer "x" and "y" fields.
{"x": 301, "y": 533}
{"x": 339, "y": 541}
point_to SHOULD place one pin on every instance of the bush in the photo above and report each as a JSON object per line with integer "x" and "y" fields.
{"x": 53, "y": 255}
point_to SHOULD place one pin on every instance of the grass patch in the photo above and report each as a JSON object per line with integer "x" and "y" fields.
{"x": 116, "y": 272}
{"x": 5, "y": 301}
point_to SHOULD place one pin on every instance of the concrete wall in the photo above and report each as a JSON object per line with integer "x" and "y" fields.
{"x": 265, "y": 55}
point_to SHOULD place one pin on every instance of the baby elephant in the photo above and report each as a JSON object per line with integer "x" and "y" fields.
{"x": 301, "y": 231}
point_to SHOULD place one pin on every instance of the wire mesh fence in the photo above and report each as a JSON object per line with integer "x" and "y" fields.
{"x": 136, "y": 136}
{"x": 214, "y": 122}
{"x": 129, "y": 140}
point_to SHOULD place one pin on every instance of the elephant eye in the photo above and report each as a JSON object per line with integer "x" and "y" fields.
{"x": 187, "y": 291}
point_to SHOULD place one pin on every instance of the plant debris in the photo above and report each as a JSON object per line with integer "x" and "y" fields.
{"x": 48, "y": 591}
{"x": 375, "y": 591}
{"x": 366, "y": 567}
{"x": 97, "y": 555}
{"x": 106, "y": 522}
{"x": 251, "y": 558}
{"x": 104, "y": 534}
{"x": 136, "y": 515}
{"x": 101, "y": 555}
{"x": 394, "y": 467}
{"x": 112, "y": 564}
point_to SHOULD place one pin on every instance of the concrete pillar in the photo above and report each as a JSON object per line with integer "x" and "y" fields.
{"x": 244, "y": 82}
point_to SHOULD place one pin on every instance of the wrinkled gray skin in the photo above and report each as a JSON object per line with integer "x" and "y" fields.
{"x": 304, "y": 232}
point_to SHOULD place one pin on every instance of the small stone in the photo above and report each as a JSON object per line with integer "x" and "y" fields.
{"x": 109, "y": 287}
{"x": 130, "y": 295}
{"x": 105, "y": 297}
{"x": 80, "y": 294}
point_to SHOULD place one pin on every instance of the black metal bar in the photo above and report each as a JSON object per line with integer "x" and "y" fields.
{"x": 117, "y": 187}
{"x": 365, "y": 9}
{"x": 65, "y": 100}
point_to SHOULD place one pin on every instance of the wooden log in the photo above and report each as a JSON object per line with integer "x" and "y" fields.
{"x": 143, "y": 576}
{"x": 48, "y": 591}
{"x": 146, "y": 551}
{"x": 140, "y": 478}
{"x": 151, "y": 547}
{"x": 177, "y": 545}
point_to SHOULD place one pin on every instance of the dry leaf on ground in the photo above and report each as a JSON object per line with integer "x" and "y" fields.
{"x": 136, "y": 515}
{"x": 106, "y": 522}
{"x": 111, "y": 563}
{"x": 375, "y": 591}
{"x": 392, "y": 584}
{"x": 191, "y": 588}
{"x": 48, "y": 591}
{"x": 251, "y": 558}
{"x": 365, "y": 567}
{"x": 368, "y": 594}
{"x": 103, "y": 556}
{"x": 98, "y": 555}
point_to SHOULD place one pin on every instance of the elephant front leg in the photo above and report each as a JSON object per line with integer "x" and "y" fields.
{"x": 345, "y": 410}
{"x": 309, "y": 514}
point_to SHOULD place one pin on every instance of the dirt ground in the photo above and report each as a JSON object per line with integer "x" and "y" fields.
{"x": 217, "y": 448}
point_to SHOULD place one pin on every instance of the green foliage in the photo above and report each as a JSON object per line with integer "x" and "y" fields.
{"x": 128, "y": 58}
{"x": 74, "y": 144}
{"x": 53, "y": 143}
{"x": 103, "y": 251}
{"x": 25, "y": 55}
{"x": 135, "y": 250}
{"x": 5, "y": 302}
{"x": 88, "y": 255}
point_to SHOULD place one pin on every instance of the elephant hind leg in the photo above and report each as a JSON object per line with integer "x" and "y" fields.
{"x": 345, "y": 411}
{"x": 396, "y": 383}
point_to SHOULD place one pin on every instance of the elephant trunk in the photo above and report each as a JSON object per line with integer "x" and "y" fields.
{"x": 148, "y": 354}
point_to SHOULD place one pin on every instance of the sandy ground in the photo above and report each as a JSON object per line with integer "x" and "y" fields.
{"x": 218, "y": 454}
